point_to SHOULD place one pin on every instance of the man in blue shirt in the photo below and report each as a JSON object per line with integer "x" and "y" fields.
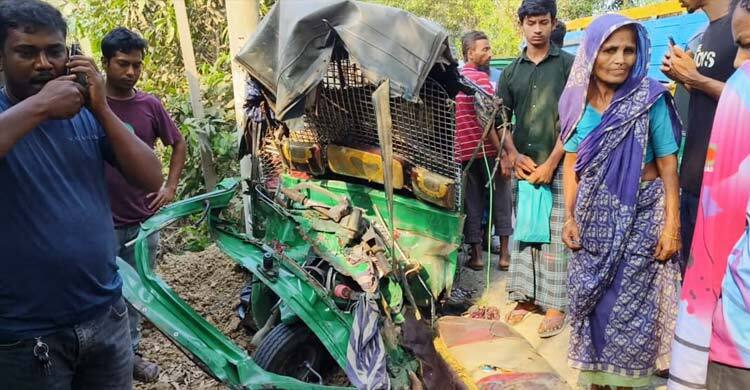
{"x": 63, "y": 322}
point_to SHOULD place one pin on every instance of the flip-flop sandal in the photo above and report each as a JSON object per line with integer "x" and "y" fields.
{"x": 560, "y": 321}
{"x": 523, "y": 313}
{"x": 503, "y": 267}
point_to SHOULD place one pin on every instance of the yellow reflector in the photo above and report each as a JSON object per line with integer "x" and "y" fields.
{"x": 361, "y": 164}
{"x": 433, "y": 188}
{"x": 304, "y": 156}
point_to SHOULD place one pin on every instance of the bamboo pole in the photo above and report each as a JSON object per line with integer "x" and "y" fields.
{"x": 242, "y": 21}
{"x": 191, "y": 71}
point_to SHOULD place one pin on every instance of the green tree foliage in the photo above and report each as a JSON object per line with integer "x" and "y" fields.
{"x": 497, "y": 18}
{"x": 264, "y": 6}
{"x": 574, "y": 9}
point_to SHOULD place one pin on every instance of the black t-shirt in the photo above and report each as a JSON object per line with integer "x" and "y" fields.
{"x": 714, "y": 58}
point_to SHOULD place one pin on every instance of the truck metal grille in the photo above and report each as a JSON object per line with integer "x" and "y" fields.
{"x": 423, "y": 133}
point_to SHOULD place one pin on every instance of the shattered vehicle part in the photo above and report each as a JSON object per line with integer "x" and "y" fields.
{"x": 205, "y": 344}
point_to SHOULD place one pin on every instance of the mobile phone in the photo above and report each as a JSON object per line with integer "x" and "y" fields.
{"x": 75, "y": 50}
{"x": 671, "y": 41}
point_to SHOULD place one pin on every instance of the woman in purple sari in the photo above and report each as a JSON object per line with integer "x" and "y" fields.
{"x": 621, "y": 136}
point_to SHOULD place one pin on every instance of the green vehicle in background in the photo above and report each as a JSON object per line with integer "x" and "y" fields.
{"x": 500, "y": 63}
{"x": 352, "y": 200}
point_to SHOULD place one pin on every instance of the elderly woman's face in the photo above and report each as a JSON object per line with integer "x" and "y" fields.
{"x": 616, "y": 57}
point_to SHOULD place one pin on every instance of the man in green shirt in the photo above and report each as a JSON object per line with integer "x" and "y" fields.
{"x": 530, "y": 88}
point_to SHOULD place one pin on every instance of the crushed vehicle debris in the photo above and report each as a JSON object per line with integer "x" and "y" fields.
{"x": 353, "y": 198}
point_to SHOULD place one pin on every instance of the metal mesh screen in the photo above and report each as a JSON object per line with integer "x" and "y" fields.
{"x": 423, "y": 134}
{"x": 270, "y": 162}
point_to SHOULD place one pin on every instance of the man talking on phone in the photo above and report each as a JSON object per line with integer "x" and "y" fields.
{"x": 63, "y": 321}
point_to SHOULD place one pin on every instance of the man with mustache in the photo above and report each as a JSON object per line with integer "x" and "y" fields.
{"x": 703, "y": 73}
{"x": 122, "y": 58}
{"x": 63, "y": 321}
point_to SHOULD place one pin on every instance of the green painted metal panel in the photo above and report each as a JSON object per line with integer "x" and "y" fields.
{"x": 150, "y": 295}
{"x": 429, "y": 234}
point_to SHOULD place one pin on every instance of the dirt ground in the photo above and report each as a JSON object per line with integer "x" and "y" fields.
{"x": 211, "y": 283}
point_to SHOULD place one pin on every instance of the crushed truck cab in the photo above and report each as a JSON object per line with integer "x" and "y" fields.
{"x": 352, "y": 195}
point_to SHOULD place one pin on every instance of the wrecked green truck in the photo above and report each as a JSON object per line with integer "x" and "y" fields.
{"x": 352, "y": 201}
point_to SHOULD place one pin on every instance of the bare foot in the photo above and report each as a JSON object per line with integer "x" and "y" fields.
{"x": 504, "y": 262}
{"x": 475, "y": 261}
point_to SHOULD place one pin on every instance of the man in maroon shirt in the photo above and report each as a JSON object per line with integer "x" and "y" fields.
{"x": 123, "y": 52}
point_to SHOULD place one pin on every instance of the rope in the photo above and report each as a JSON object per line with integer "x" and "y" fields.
{"x": 483, "y": 301}
{"x": 489, "y": 224}
{"x": 486, "y": 132}
{"x": 490, "y": 174}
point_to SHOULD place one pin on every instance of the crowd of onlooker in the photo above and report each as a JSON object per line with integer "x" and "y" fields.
{"x": 613, "y": 233}
{"x": 637, "y": 250}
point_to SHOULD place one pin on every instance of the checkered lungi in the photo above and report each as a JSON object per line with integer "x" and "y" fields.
{"x": 539, "y": 272}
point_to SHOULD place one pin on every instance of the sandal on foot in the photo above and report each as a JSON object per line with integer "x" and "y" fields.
{"x": 552, "y": 326}
{"x": 515, "y": 313}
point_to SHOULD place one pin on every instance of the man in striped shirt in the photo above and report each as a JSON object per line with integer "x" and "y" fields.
{"x": 477, "y": 54}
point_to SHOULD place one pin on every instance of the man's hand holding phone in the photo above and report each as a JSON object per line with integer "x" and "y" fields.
{"x": 75, "y": 50}
{"x": 61, "y": 98}
{"x": 90, "y": 80}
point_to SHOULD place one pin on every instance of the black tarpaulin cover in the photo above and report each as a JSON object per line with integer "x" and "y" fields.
{"x": 290, "y": 52}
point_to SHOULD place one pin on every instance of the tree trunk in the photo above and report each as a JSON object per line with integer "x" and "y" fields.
{"x": 188, "y": 58}
{"x": 242, "y": 20}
